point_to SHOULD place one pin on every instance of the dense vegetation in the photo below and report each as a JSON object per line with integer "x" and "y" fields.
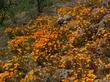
{"x": 73, "y": 46}
{"x": 20, "y": 11}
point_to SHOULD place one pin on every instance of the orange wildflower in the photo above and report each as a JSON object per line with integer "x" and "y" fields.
{"x": 50, "y": 44}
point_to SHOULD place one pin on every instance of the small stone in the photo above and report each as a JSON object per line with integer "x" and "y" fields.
{"x": 63, "y": 20}
{"x": 60, "y": 21}
{"x": 67, "y": 17}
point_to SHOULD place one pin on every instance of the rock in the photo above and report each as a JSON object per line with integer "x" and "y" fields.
{"x": 63, "y": 20}
{"x": 60, "y": 21}
{"x": 61, "y": 73}
{"x": 22, "y": 20}
{"x": 67, "y": 17}
{"x": 39, "y": 74}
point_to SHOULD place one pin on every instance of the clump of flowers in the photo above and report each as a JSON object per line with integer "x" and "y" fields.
{"x": 81, "y": 44}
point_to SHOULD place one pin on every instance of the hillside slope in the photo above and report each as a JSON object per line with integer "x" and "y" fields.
{"x": 72, "y": 46}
